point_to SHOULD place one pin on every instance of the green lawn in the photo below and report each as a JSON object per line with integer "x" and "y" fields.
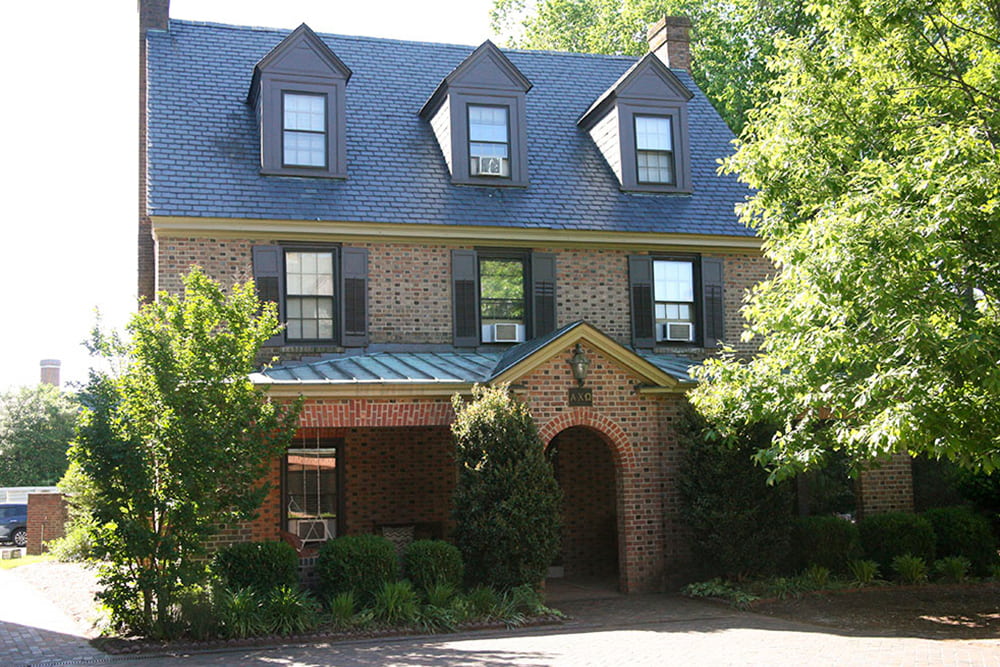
{"x": 8, "y": 563}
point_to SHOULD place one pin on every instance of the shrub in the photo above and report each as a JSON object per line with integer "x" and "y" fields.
{"x": 506, "y": 502}
{"x": 262, "y": 566}
{"x": 864, "y": 572}
{"x": 289, "y": 611}
{"x": 358, "y": 563}
{"x": 482, "y": 602}
{"x": 885, "y": 536}
{"x": 952, "y": 568}
{"x": 241, "y": 613}
{"x": 342, "y": 610}
{"x": 828, "y": 541}
{"x": 396, "y": 603}
{"x": 910, "y": 569}
{"x": 816, "y": 577}
{"x": 428, "y": 563}
{"x": 740, "y": 525}
{"x": 962, "y": 532}
{"x": 75, "y": 546}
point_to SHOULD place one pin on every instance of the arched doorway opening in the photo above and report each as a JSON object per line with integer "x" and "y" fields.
{"x": 585, "y": 469}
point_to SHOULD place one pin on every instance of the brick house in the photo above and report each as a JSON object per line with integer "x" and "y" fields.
{"x": 429, "y": 216}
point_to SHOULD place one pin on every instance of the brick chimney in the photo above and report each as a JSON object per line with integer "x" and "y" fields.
{"x": 50, "y": 372}
{"x": 670, "y": 39}
{"x": 153, "y": 15}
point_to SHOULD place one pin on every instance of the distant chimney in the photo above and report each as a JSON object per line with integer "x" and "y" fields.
{"x": 153, "y": 15}
{"x": 670, "y": 39}
{"x": 50, "y": 372}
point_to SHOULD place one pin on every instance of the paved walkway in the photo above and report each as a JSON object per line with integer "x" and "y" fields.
{"x": 33, "y": 631}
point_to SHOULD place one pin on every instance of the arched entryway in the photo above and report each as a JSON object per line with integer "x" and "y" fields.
{"x": 585, "y": 468}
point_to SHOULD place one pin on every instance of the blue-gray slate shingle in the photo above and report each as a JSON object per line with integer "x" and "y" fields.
{"x": 204, "y": 161}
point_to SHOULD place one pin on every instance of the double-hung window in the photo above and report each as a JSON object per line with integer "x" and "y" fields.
{"x": 311, "y": 489}
{"x": 674, "y": 304}
{"x": 503, "y": 309}
{"x": 489, "y": 141}
{"x": 304, "y": 130}
{"x": 654, "y": 150}
{"x": 309, "y": 295}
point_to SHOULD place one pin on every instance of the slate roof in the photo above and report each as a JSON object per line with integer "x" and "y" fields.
{"x": 204, "y": 161}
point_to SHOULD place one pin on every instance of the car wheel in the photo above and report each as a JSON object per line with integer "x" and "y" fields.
{"x": 20, "y": 537}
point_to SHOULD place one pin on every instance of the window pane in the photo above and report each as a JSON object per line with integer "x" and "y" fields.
{"x": 305, "y": 149}
{"x": 488, "y": 150}
{"x": 309, "y": 296}
{"x": 305, "y": 112}
{"x": 310, "y": 489}
{"x": 673, "y": 281}
{"x": 501, "y": 290}
{"x": 655, "y": 167}
{"x": 653, "y": 133}
{"x": 487, "y": 123}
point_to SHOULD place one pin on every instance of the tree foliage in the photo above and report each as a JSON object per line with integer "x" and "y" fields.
{"x": 36, "y": 425}
{"x": 175, "y": 441}
{"x": 877, "y": 185}
{"x": 730, "y": 41}
{"x": 506, "y": 503}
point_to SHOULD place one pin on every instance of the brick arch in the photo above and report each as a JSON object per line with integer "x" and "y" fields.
{"x": 610, "y": 431}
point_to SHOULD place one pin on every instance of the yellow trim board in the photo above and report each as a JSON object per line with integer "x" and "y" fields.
{"x": 331, "y": 230}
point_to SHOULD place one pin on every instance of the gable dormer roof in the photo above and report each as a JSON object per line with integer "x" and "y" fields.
{"x": 301, "y": 53}
{"x": 486, "y": 68}
{"x": 647, "y": 79}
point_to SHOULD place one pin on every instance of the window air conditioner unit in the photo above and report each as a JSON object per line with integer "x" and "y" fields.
{"x": 490, "y": 166}
{"x": 678, "y": 331}
{"x": 311, "y": 530}
{"x": 506, "y": 332}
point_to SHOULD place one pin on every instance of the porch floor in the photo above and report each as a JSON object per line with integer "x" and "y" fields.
{"x": 562, "y": 589}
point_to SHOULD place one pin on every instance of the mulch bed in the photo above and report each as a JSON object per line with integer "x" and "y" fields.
{"x": 938, "y": 611}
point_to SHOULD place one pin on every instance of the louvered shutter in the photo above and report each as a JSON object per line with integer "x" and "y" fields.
{"x": 269, "y": 278}
{"x": 465, "y": 297}
{"x": 354, "y": 297}
{"x": 543, "y": 292}
{"x": 640, "y": 278}
{"x": 712, "y": 314}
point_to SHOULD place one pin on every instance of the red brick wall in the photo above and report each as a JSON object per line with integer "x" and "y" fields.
{"x": 586, "y": 473}
{"x": 410, "y": 287}
{"x": 47, "y": 515}
{"x": 886, "y": 488}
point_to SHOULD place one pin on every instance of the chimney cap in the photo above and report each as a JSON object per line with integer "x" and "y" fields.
{"x": 50, "y": 363}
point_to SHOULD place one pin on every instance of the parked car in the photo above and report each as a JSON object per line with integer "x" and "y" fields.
{"x": 14, "y": 524}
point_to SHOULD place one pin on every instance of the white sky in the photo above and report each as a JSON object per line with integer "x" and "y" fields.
{"x": 68, "y": 151}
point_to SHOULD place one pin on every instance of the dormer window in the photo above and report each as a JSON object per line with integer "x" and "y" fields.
{"x": 654, "y": 150}
{"x": 478, "y": 117}
{"x": 640, "y": 126}
{"x": 304, "y": 130}
{"x": 489, "y": 141}
{"x": 298, "y": 91}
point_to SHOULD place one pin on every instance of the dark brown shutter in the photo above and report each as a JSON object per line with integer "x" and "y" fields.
{"x": 465, "y": 297}
{"x": 354, "y": 297}
{"x": 543, "y": 292}
{"x": 712, "y": 314}
{"x": 640, "y": 279}
{"x": 269, "y": 278}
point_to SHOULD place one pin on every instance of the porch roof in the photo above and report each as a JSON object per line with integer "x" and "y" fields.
{"x": 444, "y": 369}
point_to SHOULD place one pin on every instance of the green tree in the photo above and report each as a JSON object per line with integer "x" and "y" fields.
{"x": 506, "y": 503}
{"x": 36, "y": 425}
{"x": 877, "y": 195}
{"x": 730, "y": 41}
{"x": 175, "y": 442}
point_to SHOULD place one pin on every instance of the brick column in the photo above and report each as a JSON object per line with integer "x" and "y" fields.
{"x": 886, "y": 487}
{"x": 47, "y": 515}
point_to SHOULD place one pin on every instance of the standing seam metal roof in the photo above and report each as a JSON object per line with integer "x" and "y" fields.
{"x": 204, "y": 161}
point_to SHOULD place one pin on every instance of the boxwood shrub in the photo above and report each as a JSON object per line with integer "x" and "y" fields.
{"x": 886, "y": 536}
{"x": 828, "y": 541}
{"x": 262, "y": 566}
{"x": 356, "y": 563}
{"x": 962, "y": 532}
{"x": 428, "y": 563}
